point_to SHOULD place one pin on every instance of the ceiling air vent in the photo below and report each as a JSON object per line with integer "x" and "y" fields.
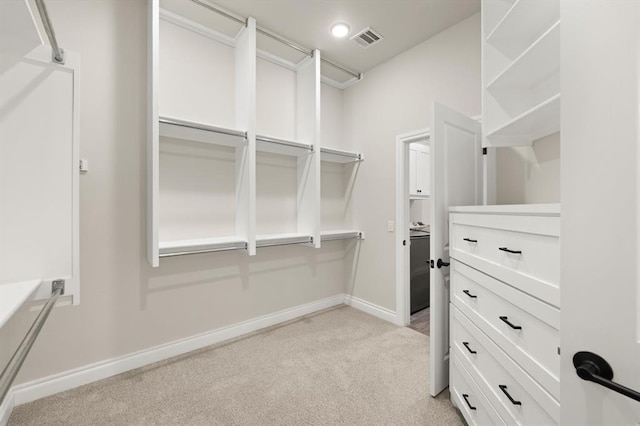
{"x": 367, "y": 37}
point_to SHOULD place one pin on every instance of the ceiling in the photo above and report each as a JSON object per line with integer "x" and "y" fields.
{"x": 402, "y": 23}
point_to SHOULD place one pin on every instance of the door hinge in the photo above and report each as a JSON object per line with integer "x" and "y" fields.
{"x": 404, "y": 242}
{"x": 484, "y": 151}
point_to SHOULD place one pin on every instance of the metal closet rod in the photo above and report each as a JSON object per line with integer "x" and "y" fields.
{"x": 13, "y": 366}
{"x": 277, "y": 38}
{"x": 58, "y": 53}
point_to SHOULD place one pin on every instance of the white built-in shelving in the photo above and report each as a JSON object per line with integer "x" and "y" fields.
{"x": 521, "y": 71}
{"x": 235, "y": 155}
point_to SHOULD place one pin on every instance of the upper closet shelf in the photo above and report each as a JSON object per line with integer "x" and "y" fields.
{"x": 534, "y": 65}
{"x": 282, "y": 146}
{"x": 339, "y": 156}
{"x": 270, "y": 240}
{"x": 190, "y": 130}
{"x": 13, "y": 295}
{"x": 539, "y": 121}
{"x": 203, "y": 245}
{"x": 522, "y": 24}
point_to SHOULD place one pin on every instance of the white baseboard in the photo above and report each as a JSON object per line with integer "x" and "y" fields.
{"x": 371, "y": 309}
{"x": 6, "y": 408}
{"x": 60, "y": 382}
{"x": 50, "y": 385}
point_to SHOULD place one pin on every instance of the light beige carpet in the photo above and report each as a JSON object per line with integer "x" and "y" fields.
{"x": 337, "y": 367}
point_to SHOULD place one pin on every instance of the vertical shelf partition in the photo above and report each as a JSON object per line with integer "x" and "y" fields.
{"x": 233, "y": 166}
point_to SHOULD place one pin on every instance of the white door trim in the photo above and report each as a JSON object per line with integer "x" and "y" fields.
{"x": 403, "y": 310}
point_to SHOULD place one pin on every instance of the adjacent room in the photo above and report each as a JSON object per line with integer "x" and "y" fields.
{"x": 279, "y": 212}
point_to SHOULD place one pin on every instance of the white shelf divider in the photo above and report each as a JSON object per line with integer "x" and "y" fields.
{"x": 308, "y": 131}
{"x": 539, "y": 121}
{"x": 204, "y": 245}
{"x": 522, "y": 24}
{"x": 535, "y": 64}
{"x": 199, "y": 132}
{"x": 246, "y": 65}
{"x": 270, "y": 240}
{"x": 339, "y": 156}
{"x": 343, "y": 234}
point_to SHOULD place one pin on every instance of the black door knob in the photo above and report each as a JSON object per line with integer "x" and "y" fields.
{"x": 440, "y": 263}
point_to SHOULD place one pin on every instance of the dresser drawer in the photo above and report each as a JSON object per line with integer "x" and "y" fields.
{"x": 467, "y": 396}
{"x": 524, "y": 327}
{"x": 517, "y": 397}
{"x": 521, "y": 250}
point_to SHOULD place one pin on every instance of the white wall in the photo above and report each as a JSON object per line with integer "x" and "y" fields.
{"x": 127, "y": 305}
{"x": 394, "y": 98}
{"x": 528, "y": 175}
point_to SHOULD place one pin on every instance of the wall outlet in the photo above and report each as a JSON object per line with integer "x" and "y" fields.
{"x": 390, "y": 226}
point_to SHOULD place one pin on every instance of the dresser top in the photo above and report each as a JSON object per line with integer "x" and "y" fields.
{"x": 523, "y": 209}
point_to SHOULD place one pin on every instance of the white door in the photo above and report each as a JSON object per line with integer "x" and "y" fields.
{"x": 456, "y": 179}
{"x": 600, "y": 230}
{"x": 423, "y": 171}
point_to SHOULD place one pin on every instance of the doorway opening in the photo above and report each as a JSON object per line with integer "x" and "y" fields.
{"x": 413, "y": 221}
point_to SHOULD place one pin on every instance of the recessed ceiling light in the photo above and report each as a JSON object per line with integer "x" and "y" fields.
{"x": 340, "y": 30}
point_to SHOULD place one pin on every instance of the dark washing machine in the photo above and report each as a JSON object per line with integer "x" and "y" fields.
{"x": 419, "y": 267}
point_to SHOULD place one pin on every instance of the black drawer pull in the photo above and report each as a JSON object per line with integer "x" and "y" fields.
{"x": 466, "y": 345}
{"x": 503, "y": 388}
{"x": 466, "y": 399}
{"x": 506, "y": 321}
{"x": 509, "y": 251}
{"x": 473, "y": 296}
{"x": 470, "y": 240}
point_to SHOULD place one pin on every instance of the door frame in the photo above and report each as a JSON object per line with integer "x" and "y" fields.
{"x": 403, "y": 275}
{"x": 403, "y": 281}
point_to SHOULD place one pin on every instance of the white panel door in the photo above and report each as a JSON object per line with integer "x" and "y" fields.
{"x": 456, "y": 180}
{"x": 423, "y": 172}
{"x": 413, "y": 172}
{"x": 600, "y": 232}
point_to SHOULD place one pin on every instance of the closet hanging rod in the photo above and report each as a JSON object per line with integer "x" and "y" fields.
{"x": 284, "y": 142}
{"x": 13, "y": 366}
{"x": 206, "y": 128}
{"x": 283, "y": 243}
{"x": 278, "y": 38}
{"x": 213, "y": 250}
{"x": 220, "y": 11}
{"x": 57, "y": 52}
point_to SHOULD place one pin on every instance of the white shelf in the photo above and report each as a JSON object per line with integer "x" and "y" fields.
{"x": 282, "y": 146}
{"x": 13, "y": 295}
{"x": 193, "y": 131}
{"x": 522, "y": 24}
{"x": 204, "y": 245}
{"x": 339, "y": 156}
{"x": 539, "y": 121}
{"x": 340, "y": 235}
{"x": 268, "y": 240}
{"x": 534, "y": 65}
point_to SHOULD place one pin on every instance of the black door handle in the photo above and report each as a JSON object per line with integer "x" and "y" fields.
{"x": 503, "y": 388}
{"x": 593, "y": 368}
{"x": 470, "y": 240}
{"x": 466, "y": 345}
{"x": 509, "y": 251}
{"x": 506, "y": 321}
{"x": 466, "y": 399}
{"x": 440, "y": 263}
{"x": 468, "y": 293}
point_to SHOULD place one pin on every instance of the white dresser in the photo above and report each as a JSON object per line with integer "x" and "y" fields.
{"x": 505, "y": 313}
